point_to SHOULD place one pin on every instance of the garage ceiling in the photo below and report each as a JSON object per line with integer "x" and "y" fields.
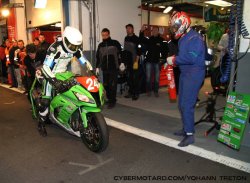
{"x": 194, "y": 7}
{"x": 50, "y": 27}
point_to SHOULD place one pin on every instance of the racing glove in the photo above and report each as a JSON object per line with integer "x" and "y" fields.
{"x": 171, "y": 60}
{"x": 97, "y": 71}
{"x": 122, "y": 67}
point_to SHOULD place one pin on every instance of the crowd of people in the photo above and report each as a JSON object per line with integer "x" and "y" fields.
{"x": 19, "y": 61}
{"x": 140, "y": 59}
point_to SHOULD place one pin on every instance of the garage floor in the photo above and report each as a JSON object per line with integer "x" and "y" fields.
{"x": 157, "y": 118}
{"x": 160, "y": 117}
{"x": 27, "y": 157}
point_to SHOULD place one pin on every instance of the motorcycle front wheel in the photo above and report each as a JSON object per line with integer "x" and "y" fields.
{"x": 96, "y": 135}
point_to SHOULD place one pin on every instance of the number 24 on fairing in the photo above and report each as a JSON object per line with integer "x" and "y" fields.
{"x": 92, "y": 84}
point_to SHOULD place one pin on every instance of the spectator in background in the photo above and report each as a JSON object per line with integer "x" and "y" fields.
{"x": 108, "y": 59}
{"x": 223, "y": 48}
{"x": 8, "y": 46}
{"x": 13, "y": 65}
{"x": 131, "y": 43}
{"x": 155, "y": 51}
{"x": 43, "y": 46}
{"x": 171, "y": 46}
{"x": 3, "y": 63}
{"x": 142, "y": 50}
{"x": 7, "y": 51}
{"x": 36, "y": 42}
{"x": 223, "y": 44}
{"x": 19, "y": 62}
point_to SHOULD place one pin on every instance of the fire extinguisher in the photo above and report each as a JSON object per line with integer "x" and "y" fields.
{"x": 171, "y": 82}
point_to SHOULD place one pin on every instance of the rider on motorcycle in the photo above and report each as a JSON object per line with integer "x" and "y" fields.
{"x": 57, "y": 59}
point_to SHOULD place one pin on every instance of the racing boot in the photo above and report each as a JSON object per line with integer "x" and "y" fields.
{"x": 187, "y": 140}
{"x": 43, "y": 109}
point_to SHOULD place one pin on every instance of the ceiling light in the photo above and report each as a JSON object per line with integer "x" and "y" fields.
{"x": 168, "y": 9}
{"x": 5, "y": 12}
{"x": 219, "y": 3}
{"x": 222, "y": 9}
{"x": 161, "y": 6}
{"x": 150, "y": 4}
{"x": 40, "y": 3}
{"x": 58, "y": 25}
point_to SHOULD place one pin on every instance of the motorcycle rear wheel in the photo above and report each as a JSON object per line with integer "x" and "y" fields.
{"x": 96, "y": 135}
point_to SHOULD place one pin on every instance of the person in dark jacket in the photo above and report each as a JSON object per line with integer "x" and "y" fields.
{"x": 131, "y": 43}
{"x": 43, "y": 46}
{"x": 36, "y": 42}
{"x": 3, "y": 68}
{"x": 32, "y": 62}
{"x": 13, "y": 64}
{"x": 191, "y": 61}
{"x": 171, "y": 45}
{"x": 108, "y": 59}
{"x": 155, "y": 51}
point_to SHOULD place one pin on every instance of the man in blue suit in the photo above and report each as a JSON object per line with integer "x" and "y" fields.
{"x": 191, "y": 61}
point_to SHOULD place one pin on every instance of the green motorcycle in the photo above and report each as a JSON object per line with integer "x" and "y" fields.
{"x": 77, "y": 110}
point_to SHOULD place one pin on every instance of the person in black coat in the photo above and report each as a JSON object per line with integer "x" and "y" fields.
{"x": 131, "y": 43}
{"x": 32, "y": 61}
{"x": 43, "y": 46}
{"x": 155, "y": 51}
{"x": 12, "y": 64}
{"x": 108, "y": 59}
{"x": 172, "y": 49}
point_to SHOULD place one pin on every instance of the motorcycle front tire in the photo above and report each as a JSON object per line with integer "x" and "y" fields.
{"x": 96, "y": 135}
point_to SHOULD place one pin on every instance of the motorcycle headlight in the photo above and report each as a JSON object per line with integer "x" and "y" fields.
{"x": 84, "y": 98}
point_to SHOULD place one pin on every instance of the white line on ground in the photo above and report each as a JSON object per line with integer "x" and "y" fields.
{"x": 13, "y": 89}
{"x": 9, "y": 103}
{"x": 231, "y": 162}
{"x": 91, "y": 167}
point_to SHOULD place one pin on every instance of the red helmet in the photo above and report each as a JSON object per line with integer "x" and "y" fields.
{"x": 179, "y": 23}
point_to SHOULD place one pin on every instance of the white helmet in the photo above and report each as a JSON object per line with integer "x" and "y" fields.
{"x": 72, "y": 39}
